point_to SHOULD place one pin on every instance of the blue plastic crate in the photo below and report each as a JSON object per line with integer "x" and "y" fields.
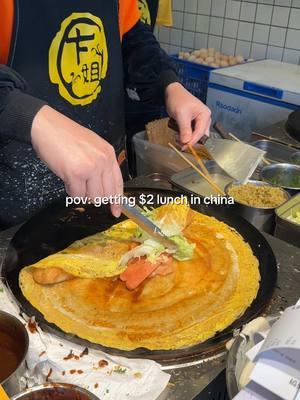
{"x": 194, "y": 77}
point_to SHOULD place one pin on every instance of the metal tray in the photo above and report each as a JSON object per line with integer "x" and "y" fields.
{"x": 56, "y": 227}
{"x": 276, "y": 152}
{"x": 189, "y": 179}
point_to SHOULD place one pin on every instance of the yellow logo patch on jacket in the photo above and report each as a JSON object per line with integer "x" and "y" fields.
{"x": 78, "y": 58}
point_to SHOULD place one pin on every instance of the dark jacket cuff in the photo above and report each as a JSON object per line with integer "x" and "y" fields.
{"x": 165, "y": 79}
{"x": 17, "y": 116}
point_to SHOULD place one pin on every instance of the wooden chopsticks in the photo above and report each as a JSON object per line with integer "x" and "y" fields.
{"x": 199, "y": 161}
{"x": 204, "y": 173}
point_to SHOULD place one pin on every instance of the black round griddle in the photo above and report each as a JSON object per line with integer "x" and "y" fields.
{"x": 56, "y": 227}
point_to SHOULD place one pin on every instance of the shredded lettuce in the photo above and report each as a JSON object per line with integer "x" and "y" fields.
{"x": 167, "y": 229}
{"x": 153, "y": 249}
{"x": 185, "y": 249}
{"x": 150, "y": 248}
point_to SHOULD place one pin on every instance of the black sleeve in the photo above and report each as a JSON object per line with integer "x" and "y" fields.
{"x": 17, "y": 109}
{"x": 147, "y": 68}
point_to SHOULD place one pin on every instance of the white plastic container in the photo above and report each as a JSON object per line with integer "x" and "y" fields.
{"x": 253, "y": 95}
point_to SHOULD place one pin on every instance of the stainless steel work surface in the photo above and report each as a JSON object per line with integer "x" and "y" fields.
{"x": 275, "y": 132}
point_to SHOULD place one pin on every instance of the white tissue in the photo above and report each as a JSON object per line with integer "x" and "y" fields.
{"x": 108, "y": 377}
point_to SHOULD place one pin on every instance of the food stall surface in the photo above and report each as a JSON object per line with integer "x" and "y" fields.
{"x": 276, "y": 132}
{"x": 188, "y": 381}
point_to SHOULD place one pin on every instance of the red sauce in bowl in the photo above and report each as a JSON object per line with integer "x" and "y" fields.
{"x": 56, "y": 393}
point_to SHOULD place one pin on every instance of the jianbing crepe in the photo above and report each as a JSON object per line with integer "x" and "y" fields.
{"x": 139, "y": 294}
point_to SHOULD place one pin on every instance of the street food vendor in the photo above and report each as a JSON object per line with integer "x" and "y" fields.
{"x": 62, "y": 94}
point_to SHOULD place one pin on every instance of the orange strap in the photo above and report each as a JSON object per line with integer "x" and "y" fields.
{"x": 6, "y": 28}
{"x": 128, "y": 17}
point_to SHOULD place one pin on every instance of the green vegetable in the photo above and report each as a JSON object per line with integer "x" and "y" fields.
{"x": 120, "y": 370}
{"x": 185, "y": 249}
{"x": 283, "y": 179}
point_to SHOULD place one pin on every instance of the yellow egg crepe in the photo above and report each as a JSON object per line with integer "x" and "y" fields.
{"x": 201, "y": 296}
{"x": 96, "y": 256}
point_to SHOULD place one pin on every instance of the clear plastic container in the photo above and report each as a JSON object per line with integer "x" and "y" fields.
{"x": 152, "y": 158}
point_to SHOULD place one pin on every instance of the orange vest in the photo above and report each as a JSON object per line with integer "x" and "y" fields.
{"x": 128, "y": 17}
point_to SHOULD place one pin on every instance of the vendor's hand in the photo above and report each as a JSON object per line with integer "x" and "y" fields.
{"x": 186, "y": 108}
{"x": 83, "y": 160}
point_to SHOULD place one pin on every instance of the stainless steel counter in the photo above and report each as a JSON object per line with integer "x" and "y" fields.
{"x": 277, "y": 131}
{"x": 187, "y": 382}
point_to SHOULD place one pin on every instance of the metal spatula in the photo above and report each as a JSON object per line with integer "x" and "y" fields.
{"x": 135, "y": 214}
{"x": 238, "y": 160}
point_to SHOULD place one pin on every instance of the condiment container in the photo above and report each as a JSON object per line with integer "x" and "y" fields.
{"x": 286, "y": 229}
{"x": 55, "y": 391}
{"x": 282, "y": 175}
{"x": 14, "y": 343}
{"x": 275, "y": 152}
{"x": 263, "y": 218}
{"x": 152, "y": 158}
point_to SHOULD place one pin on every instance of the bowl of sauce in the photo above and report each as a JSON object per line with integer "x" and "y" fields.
{"x": 13, "y": 349}
{"x": 57, "y": 391}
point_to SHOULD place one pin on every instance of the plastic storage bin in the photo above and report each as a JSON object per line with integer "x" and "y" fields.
{"x": 193, "y": 76}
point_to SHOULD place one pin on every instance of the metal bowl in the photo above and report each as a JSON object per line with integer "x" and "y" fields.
{"x": 57, "y": 391}
{"x": 263, "y": 218}
{"x": 295, "y": 158}
{"x": 17, "y": 340}
{"x": 283, "y": 172}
